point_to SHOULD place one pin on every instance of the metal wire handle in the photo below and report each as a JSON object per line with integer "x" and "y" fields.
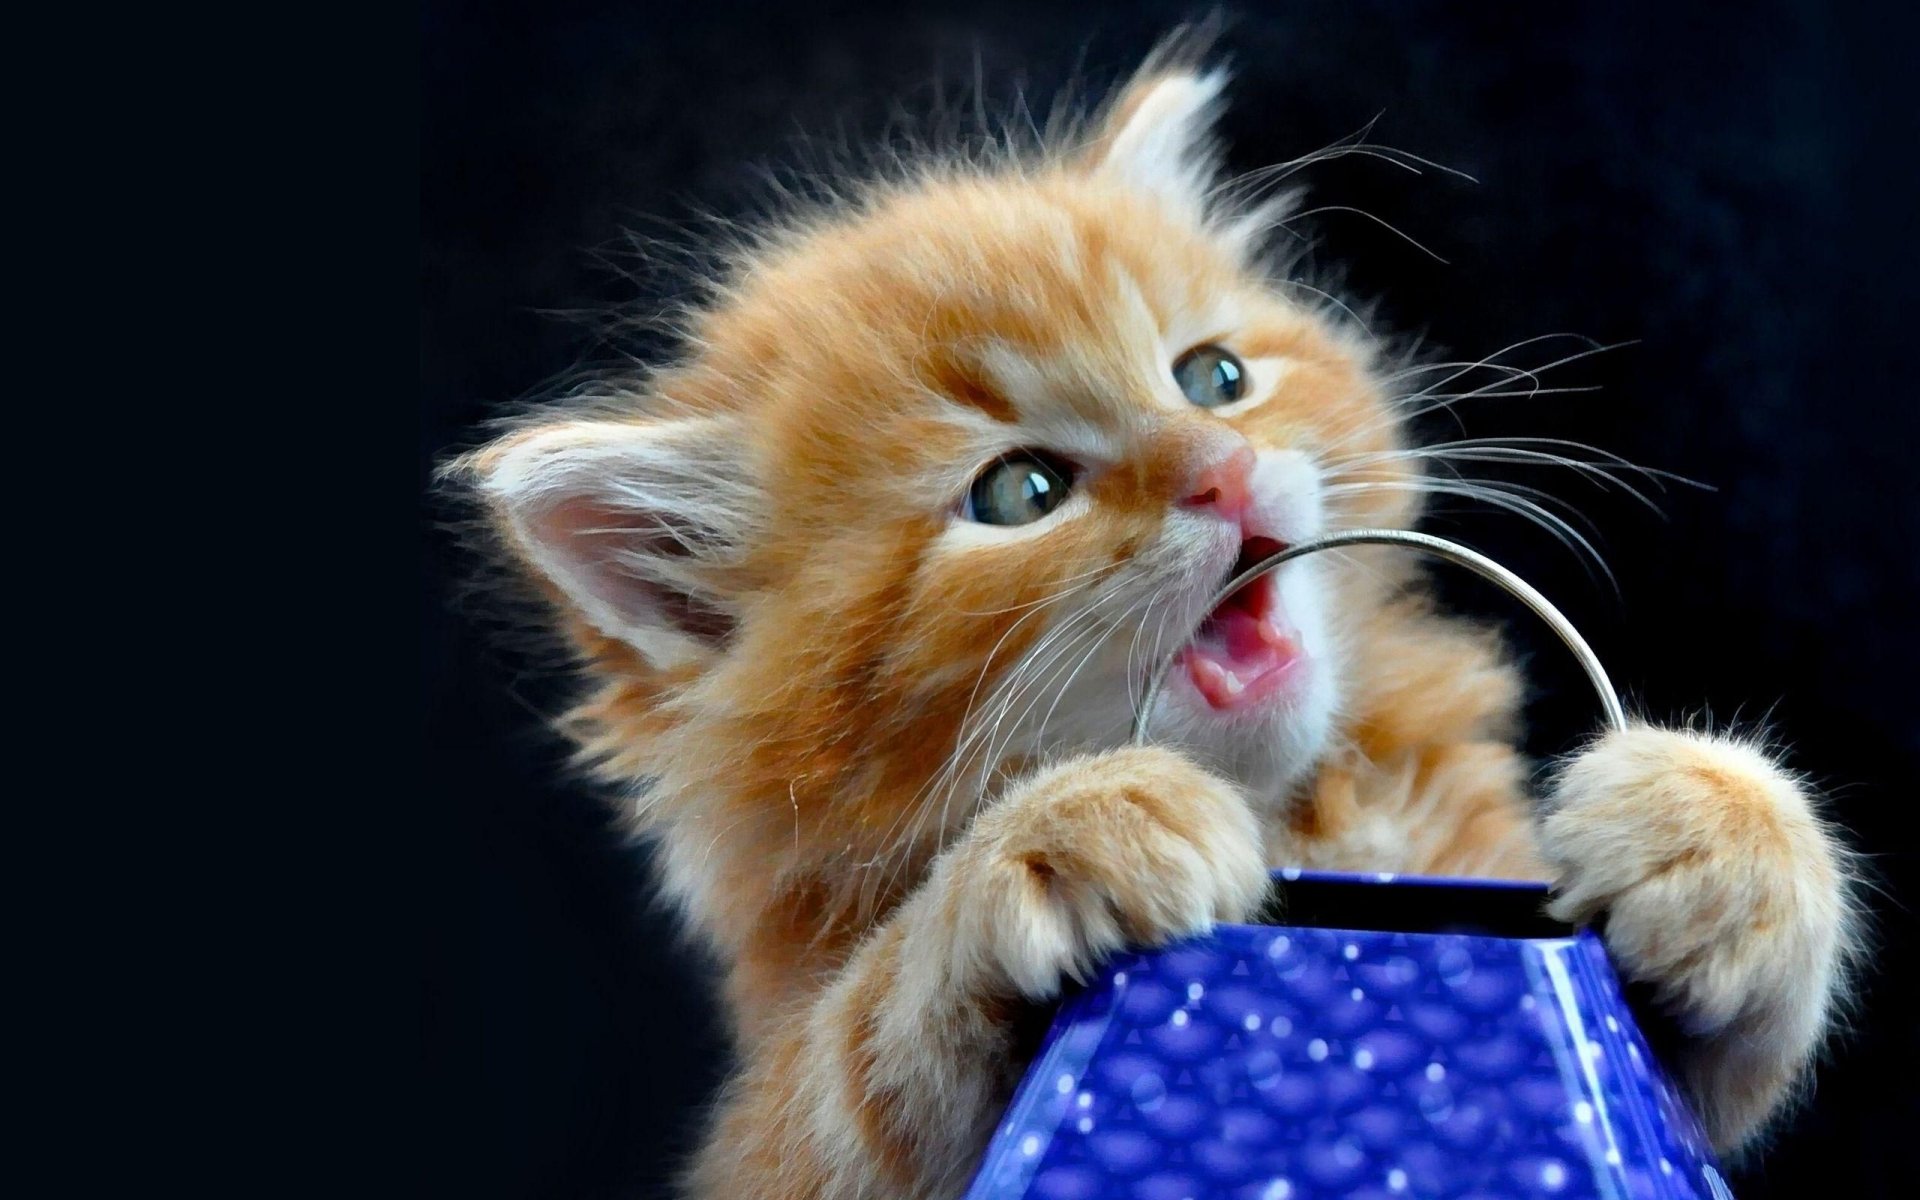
{"x": 1473, "y": 560}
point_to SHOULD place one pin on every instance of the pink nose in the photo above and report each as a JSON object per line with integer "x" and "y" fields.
{"x": 1223, "y": 484}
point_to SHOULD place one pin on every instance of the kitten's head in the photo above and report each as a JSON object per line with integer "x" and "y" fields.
{"x": 942, "y": 473}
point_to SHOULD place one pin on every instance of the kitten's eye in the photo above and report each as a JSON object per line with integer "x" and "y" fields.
{"x": 1210, "y": 376}
{"x": 1017, "y": 490}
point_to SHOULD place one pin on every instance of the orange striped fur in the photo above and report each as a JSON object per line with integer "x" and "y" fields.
{"x": 878, "y": 745}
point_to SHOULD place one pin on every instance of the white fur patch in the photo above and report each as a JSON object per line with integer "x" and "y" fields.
{"x": 1164, "y": 145}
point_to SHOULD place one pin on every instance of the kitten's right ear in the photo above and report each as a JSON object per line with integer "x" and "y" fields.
{"x": 634, "y": 523}
{"x": 1158, "y": 134}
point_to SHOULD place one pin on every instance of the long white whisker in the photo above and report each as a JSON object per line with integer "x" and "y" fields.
{"x": 1330, "y": 298}
{"x": 1527, "y": 451}
{"x": 1499, "y": 496}
{"x": 1385, "y": 224}
{"x": 914, "y": 814}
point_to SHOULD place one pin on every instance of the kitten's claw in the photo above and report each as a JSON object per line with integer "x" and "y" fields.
{"x": 1721, "y": 889}
{"x": 1135, "y": 846}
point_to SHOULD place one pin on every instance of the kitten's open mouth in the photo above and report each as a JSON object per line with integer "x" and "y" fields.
{"x": 1246, "y": 648}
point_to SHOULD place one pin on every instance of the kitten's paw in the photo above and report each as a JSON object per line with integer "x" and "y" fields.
{"x": 1131, "y": 847}
{"x": 1721, "y": 889}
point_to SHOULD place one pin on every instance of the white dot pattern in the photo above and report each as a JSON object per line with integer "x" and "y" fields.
{"x": 1313, "y": 1063}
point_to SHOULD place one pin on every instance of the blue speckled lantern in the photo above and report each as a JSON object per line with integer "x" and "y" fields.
{"x": 1453, "y": 1043}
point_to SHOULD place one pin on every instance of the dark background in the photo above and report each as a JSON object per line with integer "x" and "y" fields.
{"x": 1731, "y": 188}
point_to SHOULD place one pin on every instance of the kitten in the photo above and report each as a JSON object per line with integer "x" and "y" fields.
{"x": 866, "y": 581}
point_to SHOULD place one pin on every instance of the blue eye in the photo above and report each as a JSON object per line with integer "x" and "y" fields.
{"x": 1210, "y": 376}
{"x": 1018, "y": 490}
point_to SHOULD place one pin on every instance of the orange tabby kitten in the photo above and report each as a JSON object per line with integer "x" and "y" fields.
{"x": 866, "y": 581}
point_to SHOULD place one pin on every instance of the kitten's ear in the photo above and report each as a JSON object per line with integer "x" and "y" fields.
{"x": 636, "y": 524}
{"x": 1158, "y": 133}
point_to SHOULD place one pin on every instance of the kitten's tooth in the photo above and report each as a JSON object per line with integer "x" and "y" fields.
{"x": 1216, "y": 684}
{"x": 1234, "y": 686}
{"x": 1208, "y": 672}
{"x": 1275, "y": 632}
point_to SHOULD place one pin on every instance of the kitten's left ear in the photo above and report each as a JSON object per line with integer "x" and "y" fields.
{"x": 1158, "y": 134}
{"x": 635, "y": 525}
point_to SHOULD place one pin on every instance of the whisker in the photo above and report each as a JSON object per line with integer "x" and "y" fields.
{"x": 1499, "y": 495}
{"x": 1330, "y": 298}
{"x": 917, "y": 810}
{"x": 1385, "y": 224}
{"x": 1491, "y": 361}
{"x": 1351, "y": 145}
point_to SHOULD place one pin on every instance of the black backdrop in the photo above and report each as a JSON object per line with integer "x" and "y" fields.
{"x": 1732, "y": 191}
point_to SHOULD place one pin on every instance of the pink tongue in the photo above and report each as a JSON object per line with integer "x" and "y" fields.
{"x": 1240, "y": 659}
{"x": 1240, "y": 630}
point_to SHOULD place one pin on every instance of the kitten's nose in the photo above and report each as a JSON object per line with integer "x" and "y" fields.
{"x": 1224, "y": 483}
